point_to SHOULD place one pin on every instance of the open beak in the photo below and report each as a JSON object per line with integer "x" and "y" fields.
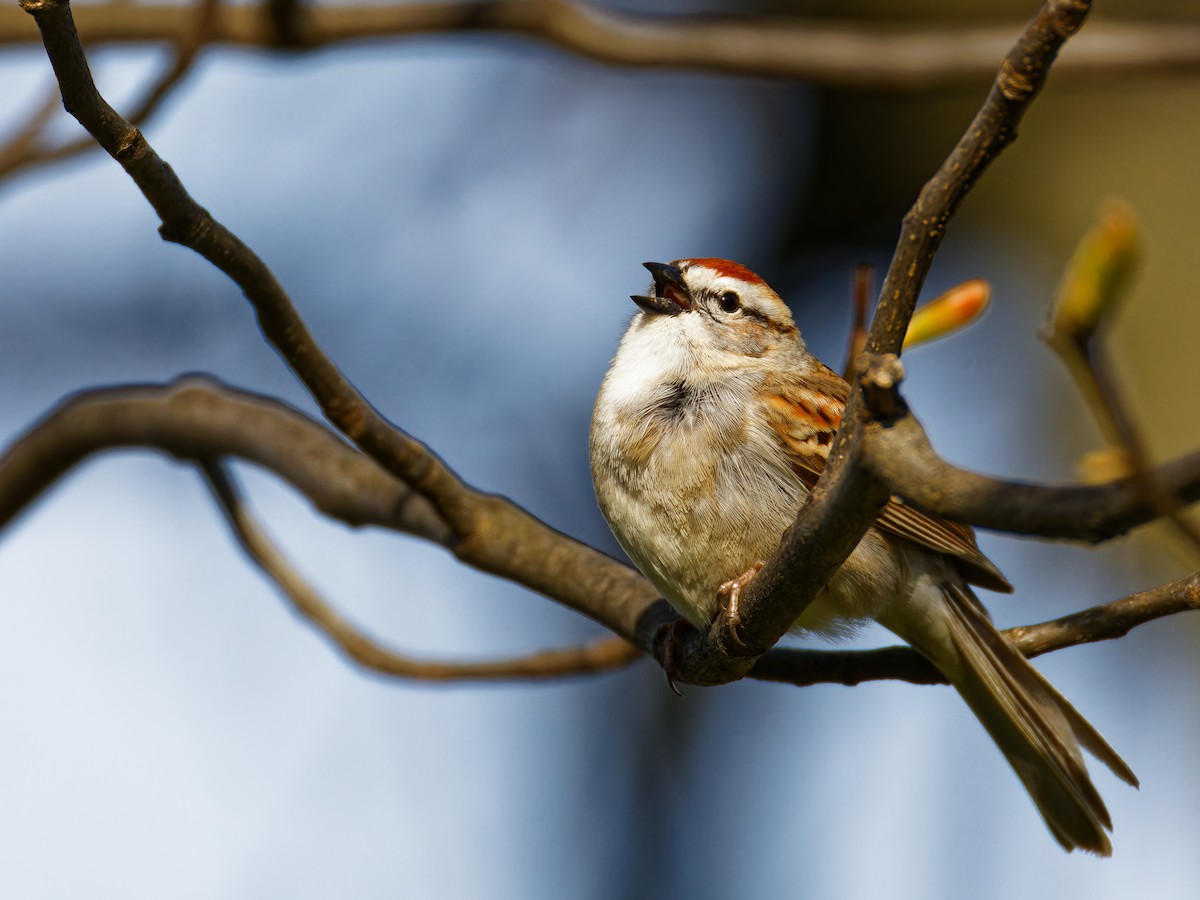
{"x": 671, "y": 295}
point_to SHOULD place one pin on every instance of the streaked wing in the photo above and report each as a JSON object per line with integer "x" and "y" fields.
{"x": 806, "y": 415}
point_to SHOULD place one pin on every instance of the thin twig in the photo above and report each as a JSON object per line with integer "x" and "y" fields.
{"x": 1093, "y": 287}
{"x": 1105, "y": 622}
{"x": 603, "y": 655}
{"x": 1127, "y": 436}
{"x": 849, "y": 54}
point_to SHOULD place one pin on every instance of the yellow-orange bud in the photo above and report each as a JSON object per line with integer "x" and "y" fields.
{"x": 949, "y": 312}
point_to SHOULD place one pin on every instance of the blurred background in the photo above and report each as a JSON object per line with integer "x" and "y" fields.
{"x": 460, "y": 220}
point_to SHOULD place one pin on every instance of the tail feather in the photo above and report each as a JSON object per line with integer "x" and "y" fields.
{"x": 1038, "y": 731}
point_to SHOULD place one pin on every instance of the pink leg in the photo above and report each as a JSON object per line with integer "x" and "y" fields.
{"x": 730, "y": 592}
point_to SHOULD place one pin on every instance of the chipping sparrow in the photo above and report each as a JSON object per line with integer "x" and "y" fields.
{"x": 711, "y": 427}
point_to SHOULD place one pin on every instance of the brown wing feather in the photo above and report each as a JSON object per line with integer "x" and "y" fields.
{"x": 805, "y": 415}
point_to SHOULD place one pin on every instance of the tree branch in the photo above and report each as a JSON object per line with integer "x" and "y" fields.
{"x": 899, "y": 455}
{"x": 848, "y": 498}
{"x": 599, "y": 656}
{"x": 841, "y": 54}
{"x": 196, "y": 420}
{"x": 489, "y": 532}
{"x": 1106, "y": 622}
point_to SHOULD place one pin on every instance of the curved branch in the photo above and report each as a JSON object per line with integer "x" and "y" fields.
{"x": 489, "y": 532}
{"x": 603, "y": 655}
{"x": 843, "y": 54}
{"x": 196, "y": 419}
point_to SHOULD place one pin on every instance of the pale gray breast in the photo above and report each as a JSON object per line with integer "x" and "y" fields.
{"x": 698, "y": 491}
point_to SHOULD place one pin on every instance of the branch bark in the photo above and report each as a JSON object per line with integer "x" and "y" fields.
{"x": 832, "y": 53}
{"x": 489, "y": 532}
{"x": 899, "y": 455}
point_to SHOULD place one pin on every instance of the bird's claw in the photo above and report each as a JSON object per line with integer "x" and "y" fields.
{"x": 730, "y": 593}
{"x": 665, "y": 638}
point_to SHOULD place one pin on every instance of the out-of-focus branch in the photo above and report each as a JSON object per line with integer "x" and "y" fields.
{"x": 860, "y": 301}
{"x": 599, "y": 656}
{"x": 1100, "y": 623}
{"x": 26, "y": 148}
{"x": 1093, "y": 286}
{"x": 198, "y": 420}
{"x": 844, "y": 54}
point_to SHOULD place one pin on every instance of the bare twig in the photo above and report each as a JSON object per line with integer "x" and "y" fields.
{"x": 25, "y": 148}
{"x": 600, "y": 656}
{"x": 845, "y": 54}
{"x": 900, "y": 456}
{"x": 1097, "y": 369}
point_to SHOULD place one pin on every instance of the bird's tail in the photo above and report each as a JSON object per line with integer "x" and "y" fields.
{"x": 1037, "y": 730}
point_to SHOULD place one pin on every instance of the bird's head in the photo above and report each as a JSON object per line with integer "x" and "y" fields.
{"x": 725, "y": 313}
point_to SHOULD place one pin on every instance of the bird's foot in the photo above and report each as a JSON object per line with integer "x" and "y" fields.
{"x": 730, "y": 593}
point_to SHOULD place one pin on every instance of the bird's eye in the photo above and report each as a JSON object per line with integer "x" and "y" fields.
{"x": 730, "y": 301}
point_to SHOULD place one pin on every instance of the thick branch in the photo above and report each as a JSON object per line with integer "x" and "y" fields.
{"x": 900, "y": 456}
{"x": 197, "y": 418}
{"x": 494, "y": 534}
{"x": 847, "y": 54}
